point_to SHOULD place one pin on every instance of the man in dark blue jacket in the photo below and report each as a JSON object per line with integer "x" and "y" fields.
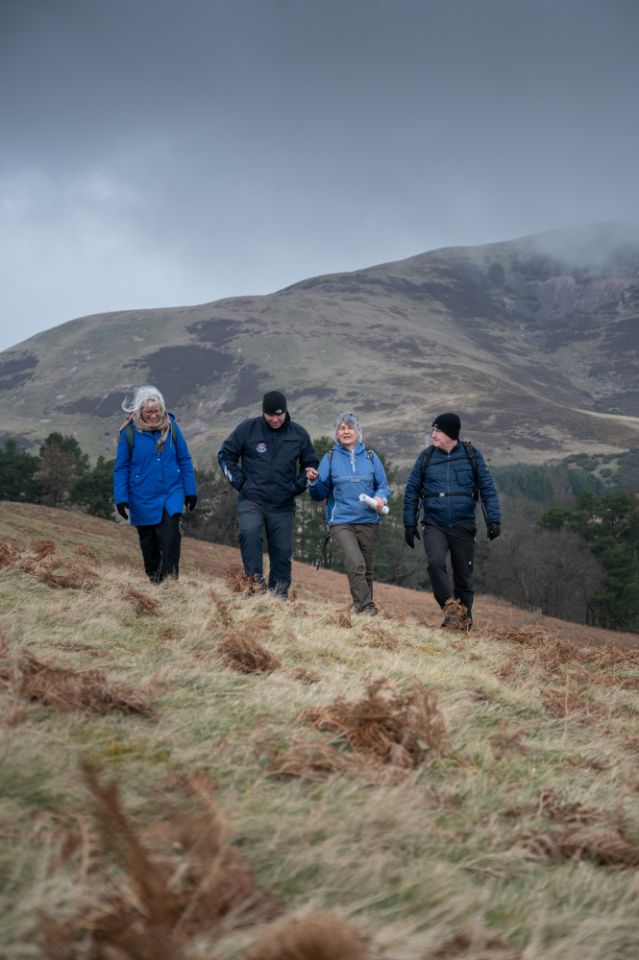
{"x": 449, "y": 478}
{"x": 268, "y": 460}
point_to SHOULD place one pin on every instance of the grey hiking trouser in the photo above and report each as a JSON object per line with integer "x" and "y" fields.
{"x": 357, "y": 543}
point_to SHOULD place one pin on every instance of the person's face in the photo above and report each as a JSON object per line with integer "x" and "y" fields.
{"x": 275, "y": 420}
{"x": 347, "y": 435}
{"x": 441, "y": 440}
{"x": 151, "y": 412}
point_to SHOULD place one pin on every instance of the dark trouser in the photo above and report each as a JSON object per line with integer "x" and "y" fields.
{"x": 254, "y": 519}
{"x": 160, "y": 546}
{"x": 460, "y": 541}
{"x": 357, "y": 543}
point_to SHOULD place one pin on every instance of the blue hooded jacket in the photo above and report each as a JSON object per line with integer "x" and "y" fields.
{"x": 448, "y": 490}
{"x": 151, "y": 480}
{"x": 342, "y": 477}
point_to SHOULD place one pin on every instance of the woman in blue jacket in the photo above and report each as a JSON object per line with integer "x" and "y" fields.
{"x": 345, "y": 472}
{"x": 152, "y": 480}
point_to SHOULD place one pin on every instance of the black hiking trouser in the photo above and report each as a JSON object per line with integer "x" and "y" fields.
{"x": 460, "y": 543}
{"x": 160, "y": 545}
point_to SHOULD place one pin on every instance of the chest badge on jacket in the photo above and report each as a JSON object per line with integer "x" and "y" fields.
{"x": 261, "y": 448}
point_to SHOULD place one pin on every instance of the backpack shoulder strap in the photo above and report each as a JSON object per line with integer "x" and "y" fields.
{"x": 173, "y": 431}
{"x": 424, "y": 467}
{"x": 129, "y": 434}
{"x": 469, "y": 450}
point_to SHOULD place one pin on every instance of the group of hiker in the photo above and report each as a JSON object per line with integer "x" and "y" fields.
{"x": 269, "y": 460}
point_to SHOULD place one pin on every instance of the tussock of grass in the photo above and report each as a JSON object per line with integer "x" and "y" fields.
{"x": 481, "y": 801}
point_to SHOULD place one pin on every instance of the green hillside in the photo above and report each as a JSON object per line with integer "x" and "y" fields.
{"x": 534, "y": 341}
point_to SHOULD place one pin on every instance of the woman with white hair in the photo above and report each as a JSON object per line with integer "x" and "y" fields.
{"x": 153, "y": 479}
{"x": 345, "y": 472}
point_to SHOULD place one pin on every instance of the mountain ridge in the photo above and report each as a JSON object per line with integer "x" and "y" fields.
{"x": 529, "y": 350}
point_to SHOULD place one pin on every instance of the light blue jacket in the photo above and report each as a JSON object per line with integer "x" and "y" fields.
{"x": 342, "y": 477}
{"x": 150, "y": 480}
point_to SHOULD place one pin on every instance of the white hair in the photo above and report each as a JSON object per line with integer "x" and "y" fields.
{"x": 140, "y": 397}
{"x": 351, "y": 420}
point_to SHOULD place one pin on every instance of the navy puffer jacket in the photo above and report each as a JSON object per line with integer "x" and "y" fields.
{"x": 448, "y": 490}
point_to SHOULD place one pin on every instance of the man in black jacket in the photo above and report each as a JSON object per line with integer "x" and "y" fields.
{"x": 268, "y": 460}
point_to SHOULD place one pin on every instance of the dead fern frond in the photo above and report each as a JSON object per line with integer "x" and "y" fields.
{"x": 43, "y": 548}
{"x": 602, "y": 847}
{"x": 304, "y": 675}
{"x": 321, "y": 936}
{"x": 504, "y": 740}
{"x": 341, "y": 618}
{"x": 528, "y": 635}
{"x": 478, "y": 945}
{"x": 380, "y": 639}
{"x": 244, "y": 653}
{"x": 64, "y": 689}
{"x": 8, "y": 555}
{"x": 144, "y": 605}
{"x": 86, "y": 552}
{"x": 222, "y": 608}
{"x": 239, "y": 582}
{"x": 384, "y": 721}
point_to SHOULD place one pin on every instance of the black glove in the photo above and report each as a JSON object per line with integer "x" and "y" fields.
{"x": 409, "y": 536}
{"x": 190, "y": 500}
{"x": 122, "y": 509}
{"x": 493, "y": 530}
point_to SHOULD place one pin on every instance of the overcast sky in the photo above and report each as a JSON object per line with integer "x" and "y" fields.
{"x": 166, "y": 152}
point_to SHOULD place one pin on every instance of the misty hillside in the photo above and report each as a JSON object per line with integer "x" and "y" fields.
{"x": 192, "y": 772}
{"x": 533, "y": 341}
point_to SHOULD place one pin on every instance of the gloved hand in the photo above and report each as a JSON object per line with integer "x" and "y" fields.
{"x": 409, "y": 536}
{"x": 190, "y": 500}
{"x": 493, "y": 530}
{"x": 122, "y": 509}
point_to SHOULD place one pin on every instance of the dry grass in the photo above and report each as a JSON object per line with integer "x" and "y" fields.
{"x": 443, "y": 812}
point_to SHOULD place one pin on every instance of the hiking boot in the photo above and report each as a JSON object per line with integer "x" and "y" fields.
{"x": 370, "y": 611}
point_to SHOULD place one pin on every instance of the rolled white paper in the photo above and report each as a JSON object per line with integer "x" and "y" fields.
{"x": 371, "y": 503}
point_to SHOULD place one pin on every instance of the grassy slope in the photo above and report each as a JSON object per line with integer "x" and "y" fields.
{"x": 446, "y": 850}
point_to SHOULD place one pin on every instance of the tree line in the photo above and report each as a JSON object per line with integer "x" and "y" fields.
{"x": 569, "y": 546}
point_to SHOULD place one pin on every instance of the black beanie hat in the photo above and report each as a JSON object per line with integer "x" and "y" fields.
{"x": 448, "y": 423}
{"x": 274, "y": 402}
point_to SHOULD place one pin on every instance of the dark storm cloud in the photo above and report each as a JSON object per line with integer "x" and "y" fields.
{"x": 157, "y": 152}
